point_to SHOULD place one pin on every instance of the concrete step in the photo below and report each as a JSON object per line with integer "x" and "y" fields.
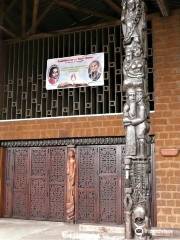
{"x": 90, "y": 236}
{"x": 95, "y": 232}
{"x": 109, "y": 229}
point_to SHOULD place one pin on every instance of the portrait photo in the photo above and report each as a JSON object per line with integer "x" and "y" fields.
{"x": 94, "y": 70}
{"x": 54, "y": 74}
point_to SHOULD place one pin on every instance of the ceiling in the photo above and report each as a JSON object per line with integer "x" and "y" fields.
{"x": 24, "y": 18}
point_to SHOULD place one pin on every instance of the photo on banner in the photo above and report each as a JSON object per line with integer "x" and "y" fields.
{"x": 75, "y": 71}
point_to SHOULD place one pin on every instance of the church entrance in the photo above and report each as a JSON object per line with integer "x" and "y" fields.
{"x": 38, "y": 184}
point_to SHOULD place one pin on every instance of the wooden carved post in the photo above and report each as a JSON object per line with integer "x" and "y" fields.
{"x": 136, "y": 121}
{"x": 71, "y": 169}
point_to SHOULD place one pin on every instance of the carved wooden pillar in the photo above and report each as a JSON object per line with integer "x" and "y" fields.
{"x": 2, "y": 159}
{"x": 136, "y": 121}
{"x": 70, "y": 196}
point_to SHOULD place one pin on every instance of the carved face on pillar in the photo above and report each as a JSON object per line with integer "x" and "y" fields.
{"x": 137, "y": 50}
{"x": 139, "y": 215}
{"x": 139, "y": 95}
{"x": 131, "y": 96}
{"x": 131, "y": 5}
{"x": 140, "y": 222}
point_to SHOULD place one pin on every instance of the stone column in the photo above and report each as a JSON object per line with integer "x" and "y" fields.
{"x": 136, "y": 121}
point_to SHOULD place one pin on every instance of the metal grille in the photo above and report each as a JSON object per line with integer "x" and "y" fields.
{"x": 25, "y": 94}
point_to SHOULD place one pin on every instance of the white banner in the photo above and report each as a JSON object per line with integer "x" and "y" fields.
{"x": 76, "y": 71}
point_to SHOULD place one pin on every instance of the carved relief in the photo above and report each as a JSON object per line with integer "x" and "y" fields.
{"x": 71, "y": 169}
{"x": 86, "y": 207}
{"x": 20, "y": 182}
{"x": 136, "y": 121}
{"x": 57, "y": 176}
{"x": 129, "y": 115}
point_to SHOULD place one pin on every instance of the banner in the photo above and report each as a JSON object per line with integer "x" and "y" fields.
{"x": 76, "y": 71}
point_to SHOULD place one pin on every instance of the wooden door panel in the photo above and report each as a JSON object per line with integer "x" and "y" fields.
{"x": 107, "y": 201}
{"x": 20, "y": 191}
{"x": 8, "y": 196}
{"x": 109, "y": 174}
{"x": 38, "y": 196}
{"x": 86, "y": 194}
{"x": 99, "y": 184}
{"x": 57, "y": 182}
{"x": 38, "y": 184}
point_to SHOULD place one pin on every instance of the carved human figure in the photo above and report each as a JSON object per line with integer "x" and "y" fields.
{"x": 134, "y": 66}
{"x": 71, "y": 167}
{"x": 131, "y": 15}
{"x": 141, "y": 122}
{"x": 126, "y": 65}
{"x": 129, "y": 115}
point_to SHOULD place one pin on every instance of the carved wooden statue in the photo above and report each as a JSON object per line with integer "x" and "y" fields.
{"x": 71, "y": 169}
{"x": 136, "y": 121}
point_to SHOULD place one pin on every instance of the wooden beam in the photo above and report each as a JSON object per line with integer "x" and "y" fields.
{"x": 41, "y": 17}
{"x": 44, "y": 13}
{"x": 6, "y": 18}
{"x": 163, "y": 6}
{"x": 7, "y": 31}
{"x": 34, "y": 15}
{"x": 113, "y": 5}
{"x": 24, "y": 13}
{"x": 2, "y": 12}
{"x": 8, "y": 8}
{"x": 70, "y": 6}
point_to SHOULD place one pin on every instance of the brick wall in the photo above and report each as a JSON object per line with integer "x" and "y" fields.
{"x": 62, "y": 128}
{"x": 165, "y": 121}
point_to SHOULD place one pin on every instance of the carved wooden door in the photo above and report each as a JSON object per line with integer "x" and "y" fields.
{"x": 110, "y": 200}
{"x": 9, "y": 166}
{"x": 86, "y": 181}
{"x": 39, "y": 183}
{"x": 20, "y": 190}
{"x": 57, "y": 182}
{"x": 99, "y": 185}
{"x": 16, "y": 194}
{"x": 35, "y": 183}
